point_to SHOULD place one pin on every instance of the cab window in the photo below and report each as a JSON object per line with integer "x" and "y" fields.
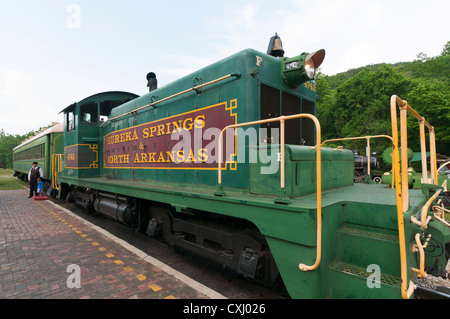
{"x": 89, "y": 113}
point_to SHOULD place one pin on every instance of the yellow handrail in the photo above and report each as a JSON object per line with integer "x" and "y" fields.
{"x": 424, "y": 220}
{"x": 442, "y": 166}
{"x": 439, "y": 214}
{"x": 406, "y": 292}
{"x": 282, "y": 120}
{"x": 56, "y": 168}
{"x": 420, "y": 248}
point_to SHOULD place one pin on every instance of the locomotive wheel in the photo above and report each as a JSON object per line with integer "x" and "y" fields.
{"x": 228, "y": 244}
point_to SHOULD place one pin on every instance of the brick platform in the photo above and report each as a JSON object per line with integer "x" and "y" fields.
{"x": 39, "y": 240}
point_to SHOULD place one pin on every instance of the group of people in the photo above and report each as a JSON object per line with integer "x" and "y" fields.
{"x": 35, "y": 177}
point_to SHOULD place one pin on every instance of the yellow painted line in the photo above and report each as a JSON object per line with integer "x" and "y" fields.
{"x": 95, "y": 244}
{"x": 170, "y": 297}
{"x": 78, "y": 232}
{"x": 128, "y": 268}
{"x": 109, "y": 255}
{"x": 119, "y": 262}
{"x": 70, "y": 225}
{"x": 141, "y": 277}
{"x": 102, "y": 249}
{"x": 84, "y": 235}
{"x": 89, "y": 239}
{"x": 155, "y": 287}
{"x": 74, "y": 228}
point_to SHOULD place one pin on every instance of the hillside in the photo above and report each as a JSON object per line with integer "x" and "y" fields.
{"x": 356, "y": 102}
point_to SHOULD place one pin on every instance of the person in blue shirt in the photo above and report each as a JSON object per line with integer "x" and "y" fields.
{"x": 40, "y": 187}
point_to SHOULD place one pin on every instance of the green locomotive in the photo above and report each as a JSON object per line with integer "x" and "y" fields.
{"x": 226, "y": 165}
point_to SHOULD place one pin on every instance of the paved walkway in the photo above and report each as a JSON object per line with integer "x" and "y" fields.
{"x": 46, "y": 252}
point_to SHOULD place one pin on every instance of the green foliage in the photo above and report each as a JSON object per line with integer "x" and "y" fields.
{"x": 357, "y": 102}
{"x": 7, "y": 144}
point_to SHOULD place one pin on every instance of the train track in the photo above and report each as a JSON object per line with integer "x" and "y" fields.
{"x": 426, "y": 293}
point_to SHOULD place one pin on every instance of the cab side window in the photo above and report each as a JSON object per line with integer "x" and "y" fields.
{"x": 70, "y": 121}
{"x": 89, "y": 113}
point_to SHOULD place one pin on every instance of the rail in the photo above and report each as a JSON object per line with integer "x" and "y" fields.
{"x": 405, "y": 108}
{"x": 442, "y": 166}
{"x": 56, "y": 169}
{"x": 399, "y": 188}
{"x": 195, "y": 88}
{"x": 439, "y": 214}
{"x": 282, "y": 120}
{"x": 419, "y": 247}
{"x": 424, "y": 220}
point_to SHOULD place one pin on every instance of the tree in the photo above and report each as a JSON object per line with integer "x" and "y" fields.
{"x": 431, "y": 99}
{"x": 357, "y": 102}
{"x": 7, "y": 144}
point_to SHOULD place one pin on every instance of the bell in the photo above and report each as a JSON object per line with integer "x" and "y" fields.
{"x": 275, "y": 46}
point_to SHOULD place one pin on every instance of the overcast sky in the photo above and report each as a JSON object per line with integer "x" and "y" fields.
{"x": 55, "y": 53}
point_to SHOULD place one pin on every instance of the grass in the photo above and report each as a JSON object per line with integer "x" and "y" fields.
{"x": 8, "y": 182}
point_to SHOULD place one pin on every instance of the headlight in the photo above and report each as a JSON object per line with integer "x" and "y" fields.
{"x": 309, "y": 69}
{"x": 302, "y": 68}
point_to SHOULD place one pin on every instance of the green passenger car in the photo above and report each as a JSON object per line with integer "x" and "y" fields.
{"x": 39, "y": 148}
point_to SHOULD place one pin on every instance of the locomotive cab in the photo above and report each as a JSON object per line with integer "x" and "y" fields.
{"x": 82, "y": 138}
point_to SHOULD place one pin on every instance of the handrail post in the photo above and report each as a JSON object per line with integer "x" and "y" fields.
{"x": 404, "y": 155}
{"x": 368, "y": 156}
{"x": 423, "y": 152}
{"x": 433, "y": 165}
{"x": 401, "y": 228}
{"x": 283, "y": 198}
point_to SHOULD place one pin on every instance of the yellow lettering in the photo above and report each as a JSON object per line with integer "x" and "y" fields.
{"x": 128, "y": 136}
{"x": 151, "y": 158}
{"x": 136, "y": 159}
{"x": 160, "y": 130}
{"x": 134, "y": 136}
{"x": 203, "y": 155}
{"x": 126, "y": 159}
{"x": 180, "y": 156}
{"x": 144, "y": 158}
{"x": 152, "y": 130}
{"x": 187, "y": 127}
{"x": 177, "y": 126}
{"x": 200, "y": 121}
{"x": 191, "y": 157}
{"x": 161, "y": 158}
{"x": 169, "y": 157}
